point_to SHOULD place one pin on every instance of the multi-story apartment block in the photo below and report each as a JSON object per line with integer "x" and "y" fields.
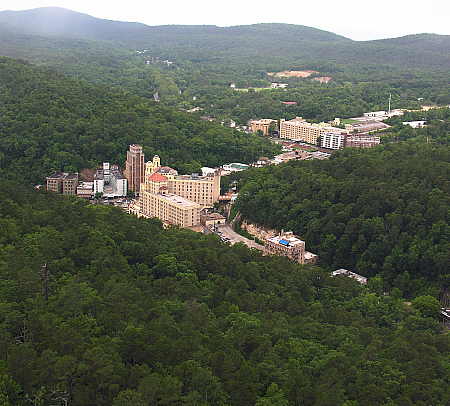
{"x": 299, "y": 129}
{"x": 332, "y": 141}
{"x": 63, "y": 182}
{"x": 362, "y": 141}
{"x": 109, "y": 181}
{"x": 135, "y": 167}
{"x": 176, "y": 199}
{"x": 286, "y": 244}
{"x": 262, "y": 125}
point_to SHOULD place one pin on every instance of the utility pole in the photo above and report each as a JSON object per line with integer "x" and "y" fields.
{"x": 390, "y": 97}
{"x": 44, "y": 277}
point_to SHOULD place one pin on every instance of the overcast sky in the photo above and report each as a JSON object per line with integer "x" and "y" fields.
{"x": 356, "y": 19}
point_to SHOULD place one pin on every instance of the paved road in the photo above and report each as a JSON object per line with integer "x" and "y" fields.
{"x": 234, "y": 237}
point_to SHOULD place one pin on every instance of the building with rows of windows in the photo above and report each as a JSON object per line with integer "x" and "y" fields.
{"x": 175, "y": 199}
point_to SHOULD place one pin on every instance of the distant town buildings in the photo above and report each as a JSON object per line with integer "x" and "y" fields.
{"x": 262, "y": 125}
{"x": 63, "y": 182}
{"x": 383, "y": 114}
{"x": 276, "y": 85}
{"x": 344, "y": 272}
{"x": 110, "y": 182}
{"x": 323, "y": 79}
{"x": 415, "y": 124}
{"x": 135, "y": 167}
{"x": 299, "y": 129}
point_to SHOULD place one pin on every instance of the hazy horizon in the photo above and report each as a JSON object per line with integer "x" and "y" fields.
{"x": 387, "y": 20}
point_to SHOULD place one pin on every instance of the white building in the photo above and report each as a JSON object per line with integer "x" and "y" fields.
{"x": 332, "y": 141}
{"x": 235, "y": 167}
{"x": 110, "y": 182}
{"x": 376, "y": 114}
{"x": 415, "y": 124}
{"x": 206, "y": 171}
{"x": 360, "y": 279}
{"x": 276, "y": 85}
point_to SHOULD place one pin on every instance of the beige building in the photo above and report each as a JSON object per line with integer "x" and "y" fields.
{"x": 175, "y": 199}
{"x": 134, "y": 168}
{"x": 212, "y": 219}
{"x": 170, "y": 208}
{"x": 63, "y": 182}
{"x": 299, "y": 129}
{"x": 286, "y": 244}
{"x": 204, "y": 190}
{"x": 262, "y": 125}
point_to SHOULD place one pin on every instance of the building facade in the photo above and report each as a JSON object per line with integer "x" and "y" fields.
{"x": 262, "y": 125}
{"x": 175, "y": 199}
{"x": 362, "y": 141}
{"x": 135, "y": 168}
{"x": 332, "y": 141}
{"x": 299, "y": 129}
{"x": 63, "y": 182}
{"x": 110, "y": 182}
{"x": 286, "y": 244}
{"x": 85, "y": 190}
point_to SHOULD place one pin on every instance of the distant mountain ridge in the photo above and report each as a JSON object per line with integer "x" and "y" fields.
{"x": 211, "y": 43}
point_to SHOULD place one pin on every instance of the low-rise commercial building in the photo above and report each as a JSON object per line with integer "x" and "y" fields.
{"x": 362, "y": 141}
{"x": 212, "y": 219}
{"x": 344, "y": 272}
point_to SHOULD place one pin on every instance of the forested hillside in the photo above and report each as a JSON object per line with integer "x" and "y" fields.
{"x": 206, "y": 59}
{"x": 49, "y": 122}
{"x": 379, "y": 212}
{"x": 211, "y": 43}
{"x": 126, "y": 313}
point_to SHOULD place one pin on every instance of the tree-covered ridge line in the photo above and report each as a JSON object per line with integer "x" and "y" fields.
{"x": 212, "y": 44}
{"x": 205, "y": 65}
{"x": 138, "y": 315}
{"x": 378, "y": 212}
{"x": 50, "y": 122}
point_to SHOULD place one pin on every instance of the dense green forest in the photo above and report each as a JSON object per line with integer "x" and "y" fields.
{"x": 49, "y": 122}
{"x": 377, "y": 212}
{"x": 127, "y": 313}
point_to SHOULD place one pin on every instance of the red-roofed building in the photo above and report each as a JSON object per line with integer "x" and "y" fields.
{"x": 157, "y": 177}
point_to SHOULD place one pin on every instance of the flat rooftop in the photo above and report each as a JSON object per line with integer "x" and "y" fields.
{"x": 171, "y": 198}
{"x": 290, "y": 241}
